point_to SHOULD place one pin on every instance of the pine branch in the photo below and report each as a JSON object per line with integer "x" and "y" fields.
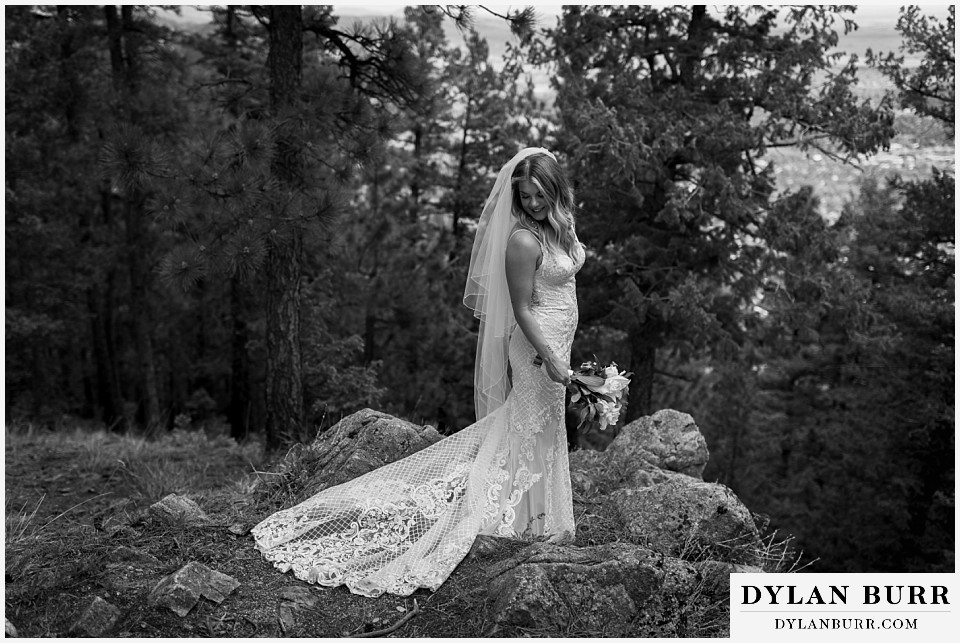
{"x": 675, "y": 376}
{"x": 387, "y": 630}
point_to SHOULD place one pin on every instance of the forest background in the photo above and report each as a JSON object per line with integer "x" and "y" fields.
{"x": 259, "y": 223}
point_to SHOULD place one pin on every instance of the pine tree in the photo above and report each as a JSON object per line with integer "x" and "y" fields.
{"x": 125, "y": 36}
{"x": 52, "y": 57}
{"x": 407, "y": 234}
{"x": 665, "y": 115}
{"x": 266, "y": 187}
{"x": 930, "y": 87}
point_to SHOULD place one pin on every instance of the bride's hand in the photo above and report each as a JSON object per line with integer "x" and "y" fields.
{"x": 556, "y": 370}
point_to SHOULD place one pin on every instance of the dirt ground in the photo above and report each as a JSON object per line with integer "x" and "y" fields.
{"x": 75, "y": 530}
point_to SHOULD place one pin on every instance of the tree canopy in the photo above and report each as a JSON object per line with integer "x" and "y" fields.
{"x": 262, "y": 224}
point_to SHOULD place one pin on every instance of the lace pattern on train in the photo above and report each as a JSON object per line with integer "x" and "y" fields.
{"x": 408, "y": 524}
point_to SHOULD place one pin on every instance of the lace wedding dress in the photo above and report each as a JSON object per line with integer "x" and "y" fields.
{"x": 408, "y": 524}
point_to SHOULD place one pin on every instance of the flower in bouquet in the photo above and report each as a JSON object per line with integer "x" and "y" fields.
{"x": 596, "y": 394}
{"x": 609, "y": 413}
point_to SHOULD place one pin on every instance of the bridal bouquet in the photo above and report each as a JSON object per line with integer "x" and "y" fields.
{"x": 595, "y": 394}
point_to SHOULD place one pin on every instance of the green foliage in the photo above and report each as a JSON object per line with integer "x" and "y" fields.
{"x": 337, "y": 380}
{"x": 929, "y": 87}
{"x": 403, "y": 244}
{"x": 665, "y": 115}
{"x": 850, "y": 403}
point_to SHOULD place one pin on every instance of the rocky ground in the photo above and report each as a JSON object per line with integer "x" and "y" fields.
{"x": 151, "y": 539}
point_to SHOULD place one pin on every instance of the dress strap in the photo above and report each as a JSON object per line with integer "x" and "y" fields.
{"x": 543, "y": 249}
{"x": 535, "y": 236}
{"x": 520, "y": 229}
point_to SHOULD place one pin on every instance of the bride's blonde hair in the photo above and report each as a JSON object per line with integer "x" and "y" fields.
{"x": 544, "y": 172}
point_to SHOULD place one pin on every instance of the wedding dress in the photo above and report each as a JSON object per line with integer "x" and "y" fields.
{"x": 408, "y": 524}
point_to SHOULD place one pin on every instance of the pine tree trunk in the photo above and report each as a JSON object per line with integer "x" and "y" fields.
{"x": 370, "y": 331}
{"x": 123, "y": 38}
{"x": 137, "y": 244}
{"x": 417, "y": 172}
{"x": 240, "y": 409}
{"x": 38, "y": 388}
{"x": 72, "y": 103}
{"x": 643, "y": 357}
{"x": 178, "y": 380}
{"x": 284, "y": 386}
{"x": 935, "y": 470}
{"x": 459, "y": 201}
{"x": 140, "y": 311}
{"x": 285, "y": 412}
{"x": 693, "y": 54}
{"x": 285, "y": 59}
{"x": 238, "y": 413}
{"x": 109, "y": 395}
{"x": 115, "y": 40}
{"x": 87, "y": 369}
{"x": 100, "y": 296}
{"x": 370, "y": 301}
{"x": 733, "y": 454}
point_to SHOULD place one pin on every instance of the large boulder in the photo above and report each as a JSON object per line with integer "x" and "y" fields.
{"x": 617, "y": 589}
{"x": 648, "y": 451}
{"x": 357, "y": 444}
{"x": 668, "y": 439}
{"x": 690, "y": 519}
{"x": 656, "y": 543}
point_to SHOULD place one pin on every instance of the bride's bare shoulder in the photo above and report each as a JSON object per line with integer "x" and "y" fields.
{"x": 524, "y": 241}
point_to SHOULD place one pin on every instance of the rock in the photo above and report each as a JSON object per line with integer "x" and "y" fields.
{"x": 358, "y": 443}
{"x": 127, "y": 555}
{"x": 668, "y": 440}
{"x": 286, "y": 618}
{"x": 177, "y": 509}
{"x": 689, "y": 519}
{"x": 96, "y": 619}
{"x": 183, "y": 589}
{"x": 8, "y": 629}
{"x": 484, "y": 545}
{"x": 119, "y": 517}
{"x": 648, "y": 451}
{"x": 617, "y": 589}
{"x": 299, "y": 595}
{"x": 238, "y": 529}
{"x": 293, "y": 598}
{"x": 594, "y": 473}
{"x": 712, "y": 593}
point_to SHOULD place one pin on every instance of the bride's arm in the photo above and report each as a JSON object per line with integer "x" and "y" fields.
{"x": 523, "y": 253}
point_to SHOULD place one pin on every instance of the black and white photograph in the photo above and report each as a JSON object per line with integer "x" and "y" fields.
{"x": 479, "y": 321}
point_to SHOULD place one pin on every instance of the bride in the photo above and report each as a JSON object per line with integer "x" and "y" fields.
{"x": 409, "y": 523}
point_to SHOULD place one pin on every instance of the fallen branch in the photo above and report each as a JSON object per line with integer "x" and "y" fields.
{"x": 387, "y": 630}
{"x": 253, "y": 623}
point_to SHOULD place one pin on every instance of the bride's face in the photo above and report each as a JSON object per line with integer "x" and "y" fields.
{"x": 533, "y": 200}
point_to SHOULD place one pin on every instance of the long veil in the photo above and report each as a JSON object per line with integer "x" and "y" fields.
{"x": 486, "y": 290}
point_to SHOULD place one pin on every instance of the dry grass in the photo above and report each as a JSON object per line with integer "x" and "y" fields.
{"x": 61, "y": 486}
{"x": 63, "y": 547}
{"x": 20, "y": 524}
{"x": 777, "y": 555}
{"x": 179, "y": 462}
{"x": 22, "y": 528}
